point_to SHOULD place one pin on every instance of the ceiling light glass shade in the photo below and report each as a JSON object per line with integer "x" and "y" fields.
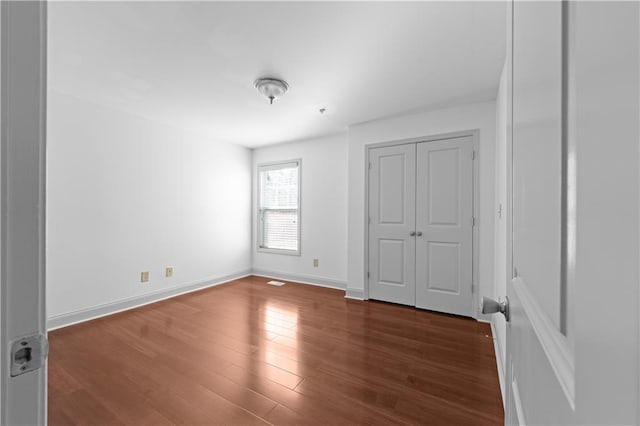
{"x": 271, "y": 88}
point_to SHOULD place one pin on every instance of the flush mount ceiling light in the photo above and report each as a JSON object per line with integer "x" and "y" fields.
{"x": 271, "y": 88}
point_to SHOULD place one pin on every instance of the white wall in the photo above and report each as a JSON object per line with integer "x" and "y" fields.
{"x": 127, "y": 195}
{"x": 480, "y": 116}
{"x": 323, "y": 214}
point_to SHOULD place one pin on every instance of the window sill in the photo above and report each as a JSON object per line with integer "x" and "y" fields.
{"x": 278, "y": 251}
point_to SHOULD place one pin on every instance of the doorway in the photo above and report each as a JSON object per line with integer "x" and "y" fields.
{"x": 421, "y": 223}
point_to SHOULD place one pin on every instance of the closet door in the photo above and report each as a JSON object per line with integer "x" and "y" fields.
{"x": 392, "y": 188}
{"x": 444, "y": 225}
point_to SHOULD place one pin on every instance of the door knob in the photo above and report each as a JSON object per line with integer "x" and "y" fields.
{"x": 413, "y": 233}
{"x": 490, "y": 306}
{"x": 419, "y": 233}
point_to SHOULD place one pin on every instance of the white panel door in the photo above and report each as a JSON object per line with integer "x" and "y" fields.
{"x": 572, "y": 342}
{"x": 22, "y": 236}
{"x": 392, "y": 224}
{"x": 444, "y": 214}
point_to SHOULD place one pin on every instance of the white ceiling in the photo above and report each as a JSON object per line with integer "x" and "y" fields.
{"x": 192, "y": 64}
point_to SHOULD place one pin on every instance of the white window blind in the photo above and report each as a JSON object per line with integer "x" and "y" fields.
{"x": 278, "y": 204}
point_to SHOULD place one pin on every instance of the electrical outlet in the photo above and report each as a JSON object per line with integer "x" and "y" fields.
{"x": 168, "y": 271}
{"x": 315, "y": 263}
{"x": 144, "y": 277}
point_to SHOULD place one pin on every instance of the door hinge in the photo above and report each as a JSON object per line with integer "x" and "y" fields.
{"x": 368, "y": 274}
{"x": 471, "y": 287}
{"x": 473, "y": 155}
{"x": 369, "y": 219}
{"x": 369, "y": 166}
{"x": 28, "y": 353}
{"x": 473, "y": 221}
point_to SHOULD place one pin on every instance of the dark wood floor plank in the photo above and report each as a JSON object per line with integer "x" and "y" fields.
{"x": 246, "y": 353}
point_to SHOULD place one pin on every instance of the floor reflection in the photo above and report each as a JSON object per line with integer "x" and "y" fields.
{"x": 280, "y": 322}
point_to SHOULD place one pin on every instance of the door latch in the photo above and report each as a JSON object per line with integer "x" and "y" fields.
{"x": 28, "y": 354}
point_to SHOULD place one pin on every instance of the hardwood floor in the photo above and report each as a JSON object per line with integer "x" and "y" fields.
{"x": 248, "y": 353}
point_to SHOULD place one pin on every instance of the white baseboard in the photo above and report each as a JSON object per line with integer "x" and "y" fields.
{"x": 354, "y": 293}
{"x": 500, "y": 364}
{"x": 304, "y": 279}
{"x": 98, "y": 311}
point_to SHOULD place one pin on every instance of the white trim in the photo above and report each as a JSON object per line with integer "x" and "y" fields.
{"x": 365, "y": 220}
{"x": 556, "y": 346}
{"x": 3, "y": 366}
{"x": 65, "y": 320}
{"x": 497, "y": 349}
{"x": 517, "y": 402}
{"x": 508, "y": 209}
{"x": 302, "y": 279}
{"x": 23, "y": 81}
{"x": 354, "y": 293}
{"x": 475, "y": 229}
{"x": 106, "y": 309}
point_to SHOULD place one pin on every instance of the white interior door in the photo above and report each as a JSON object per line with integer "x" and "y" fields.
{"x": 420, "y": 224}
{"x": 444, "y": 225}
{"x": 22, "y": 236}
{"x": 392, "y": 253}
{"x": 575, "y": 222}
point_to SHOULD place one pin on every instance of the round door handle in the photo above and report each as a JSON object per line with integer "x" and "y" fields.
{"x": 413, "y": 233}
{"x": 419, "y": 233}
{"x": 490, "y": 306}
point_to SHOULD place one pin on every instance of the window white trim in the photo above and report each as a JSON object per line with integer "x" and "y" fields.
{"x": 274, "y": 166}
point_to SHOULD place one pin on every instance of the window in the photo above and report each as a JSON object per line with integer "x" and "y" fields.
{"x": 279, "y": 207}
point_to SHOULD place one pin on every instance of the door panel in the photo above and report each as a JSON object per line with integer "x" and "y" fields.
{"x": 392, "y": 220}
{"x": 392, "y": 177}
{"x": 444, "y": 214}
{"x": 537, "y": 131}
{"x": 444, "y": 261}
{"x": 539, "y": 358}
{"x": 391, "y": 261}
{"x": 443, "y": 186}
{"x": 569, "y": 360}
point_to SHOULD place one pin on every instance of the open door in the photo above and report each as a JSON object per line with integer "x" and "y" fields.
{"x": 22, "y": 212}
{"x": 572, "y": 340}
